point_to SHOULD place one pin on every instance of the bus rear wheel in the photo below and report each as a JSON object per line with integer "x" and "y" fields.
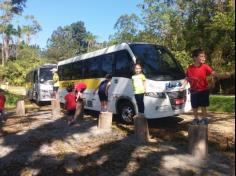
{"x": 126, "y": 112}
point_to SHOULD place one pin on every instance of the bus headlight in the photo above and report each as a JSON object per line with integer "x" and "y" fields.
{"x": 156, "y": 94}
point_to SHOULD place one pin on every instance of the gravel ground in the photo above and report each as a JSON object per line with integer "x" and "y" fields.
{"x": 38, "y": 144}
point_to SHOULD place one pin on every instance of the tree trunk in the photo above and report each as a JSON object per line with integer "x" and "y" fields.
{"x": 105, "y": 120}
{"x": 3, "y": 56}
{"x": 6, "y": 47}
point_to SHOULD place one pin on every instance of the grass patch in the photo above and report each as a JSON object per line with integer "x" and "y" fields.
{"x": 219, "y": 103}
{"x": 12, "y": 99}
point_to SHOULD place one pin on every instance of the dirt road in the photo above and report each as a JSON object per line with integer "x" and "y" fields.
{"x": 40, "y": 145}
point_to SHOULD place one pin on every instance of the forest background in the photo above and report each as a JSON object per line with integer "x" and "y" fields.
{"x": 179, "y": 25}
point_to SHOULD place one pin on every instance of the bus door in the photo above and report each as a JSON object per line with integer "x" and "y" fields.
{"x": 121, "y": 85}
{"x": 35, "y": 84}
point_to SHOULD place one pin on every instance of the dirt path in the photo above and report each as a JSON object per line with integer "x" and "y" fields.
{"x": 40, "y": 145}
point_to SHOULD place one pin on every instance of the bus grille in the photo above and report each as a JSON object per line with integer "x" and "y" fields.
{"x": 177, "y": 99}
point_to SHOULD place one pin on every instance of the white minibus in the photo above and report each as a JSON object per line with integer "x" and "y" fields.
{"x": 39, "y": 83}
{"x": 164, "y": 76}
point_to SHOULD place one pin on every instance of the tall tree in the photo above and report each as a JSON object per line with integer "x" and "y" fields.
{"x": 67, "y": 41}
{"x": 31, "y": 29}
{"x": 90, "y": 39}
{"x": 8, "y": 9}
{"x": 127, "y": 27}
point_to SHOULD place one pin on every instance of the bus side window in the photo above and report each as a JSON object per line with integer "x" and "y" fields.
{"x": 92, "y": 68}
{"x": 107, "y": 61}
{"x": 123, "y": 64}
{"x": 77, "y": 68}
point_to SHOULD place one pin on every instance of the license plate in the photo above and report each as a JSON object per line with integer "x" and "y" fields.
{"x": 179, "y": 101}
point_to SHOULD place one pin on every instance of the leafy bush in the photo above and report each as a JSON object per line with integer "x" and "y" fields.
{"x": 15, "y": 71}
{"x": 12, "y": 99}
{"x": 222, "y": 103}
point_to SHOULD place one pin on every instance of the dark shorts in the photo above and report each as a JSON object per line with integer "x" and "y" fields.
{"x": 70, "y": 112}
{"x": 140, "y": 102}
{"x": 102, "y": 97}
{"x": 55, "y": 89}
{"x": 199, "y": 98}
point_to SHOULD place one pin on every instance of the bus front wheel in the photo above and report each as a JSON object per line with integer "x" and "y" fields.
{"x": 126, "y": 112}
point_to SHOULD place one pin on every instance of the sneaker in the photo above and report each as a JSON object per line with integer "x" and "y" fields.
{"x": 204, "y": 121}
{"x": 195, "y": 122}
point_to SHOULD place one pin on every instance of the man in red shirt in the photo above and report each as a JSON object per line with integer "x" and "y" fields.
{"x": 196, "y": 75}
{"x": 70, "y": 102}
{"x": 2, "y": 104}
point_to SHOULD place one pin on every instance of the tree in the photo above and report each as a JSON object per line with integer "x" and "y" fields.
{"x": 127, "y": 27}
{"x": 8, "y": 9}
{"x": 15, "y": 70}
{"x": 31, "y": 29}
{"x": 90, "y": 40}
{"x": 67, "y": 41}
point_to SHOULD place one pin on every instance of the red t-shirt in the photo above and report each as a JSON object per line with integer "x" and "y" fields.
{"x": 70, "y": 101}
{"x": 197, "y": 76}
{"x": 80, "y": 86}
{"x": 2, "y": 101}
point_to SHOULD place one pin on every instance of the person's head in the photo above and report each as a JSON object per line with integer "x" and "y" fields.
{"x": 199, "y": 56}
{"x": 54, "y": 70}
{"x": 70, "y": 88}
{"x": 137, "y": 68}
{"x": 108, "y": 76}
{"x": 2, "y": 92}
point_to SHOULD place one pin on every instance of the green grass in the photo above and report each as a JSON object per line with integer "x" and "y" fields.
{"x": 12, "y": 99}
{"x": 220, "y": 103}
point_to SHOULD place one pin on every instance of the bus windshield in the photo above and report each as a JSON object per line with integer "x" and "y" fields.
{"x": 157, "y": 62}
{"x": 45, "y": 75}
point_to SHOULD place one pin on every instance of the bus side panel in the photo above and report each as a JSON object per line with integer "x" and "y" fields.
{"x": 120, "y": 87}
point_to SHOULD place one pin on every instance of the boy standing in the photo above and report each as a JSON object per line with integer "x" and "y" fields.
{"x": 196, "y": 75}
{"x": 70, "y": 102}
{"x": 103, "y": 92}
{"x": 2, "y": 104}
{"x": 55, "y": 82}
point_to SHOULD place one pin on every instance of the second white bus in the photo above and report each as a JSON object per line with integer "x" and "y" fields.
{"x": 164, "y": 78}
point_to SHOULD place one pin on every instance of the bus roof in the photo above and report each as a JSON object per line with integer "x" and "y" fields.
{"x": 47, "y": 65}
{"x": 96, "y": 53}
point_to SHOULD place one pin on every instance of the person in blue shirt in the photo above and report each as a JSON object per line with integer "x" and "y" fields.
{"x": 103, "y": 92}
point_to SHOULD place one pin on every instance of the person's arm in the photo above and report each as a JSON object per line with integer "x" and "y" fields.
{"x": 220, "y": 76}
{"x": 145, "y": 85}
{"x": 184, "y": 84}
{"x": 95, "y": 90}
{"x": 107, "y": 88}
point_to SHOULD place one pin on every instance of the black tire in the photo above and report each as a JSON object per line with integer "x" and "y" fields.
{"x": 126, "y": 112}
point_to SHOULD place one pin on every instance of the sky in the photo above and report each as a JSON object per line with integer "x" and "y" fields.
{"x": 99, "y": 16}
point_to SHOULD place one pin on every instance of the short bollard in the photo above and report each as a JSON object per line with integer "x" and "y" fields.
{"x": 105, "y": 120}
{"x": 198, "y": 140}
{"x": 20, "y": 108}
{"x": 56, "y": 109}
{"x": 141, "y": 129}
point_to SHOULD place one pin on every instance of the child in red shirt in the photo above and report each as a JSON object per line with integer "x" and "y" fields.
{"x": 2, "y": 104}
{"x": 196, "y": 75}
{"x": 79, "y": 89}
{"x": 70, "y": 102}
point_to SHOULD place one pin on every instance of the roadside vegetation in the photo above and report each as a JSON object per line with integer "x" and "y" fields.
{"x": 220, "y": 103}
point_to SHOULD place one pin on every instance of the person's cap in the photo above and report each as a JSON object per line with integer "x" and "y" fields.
{"x": 80, "y": 86}
{"x": 54, "y": 70}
